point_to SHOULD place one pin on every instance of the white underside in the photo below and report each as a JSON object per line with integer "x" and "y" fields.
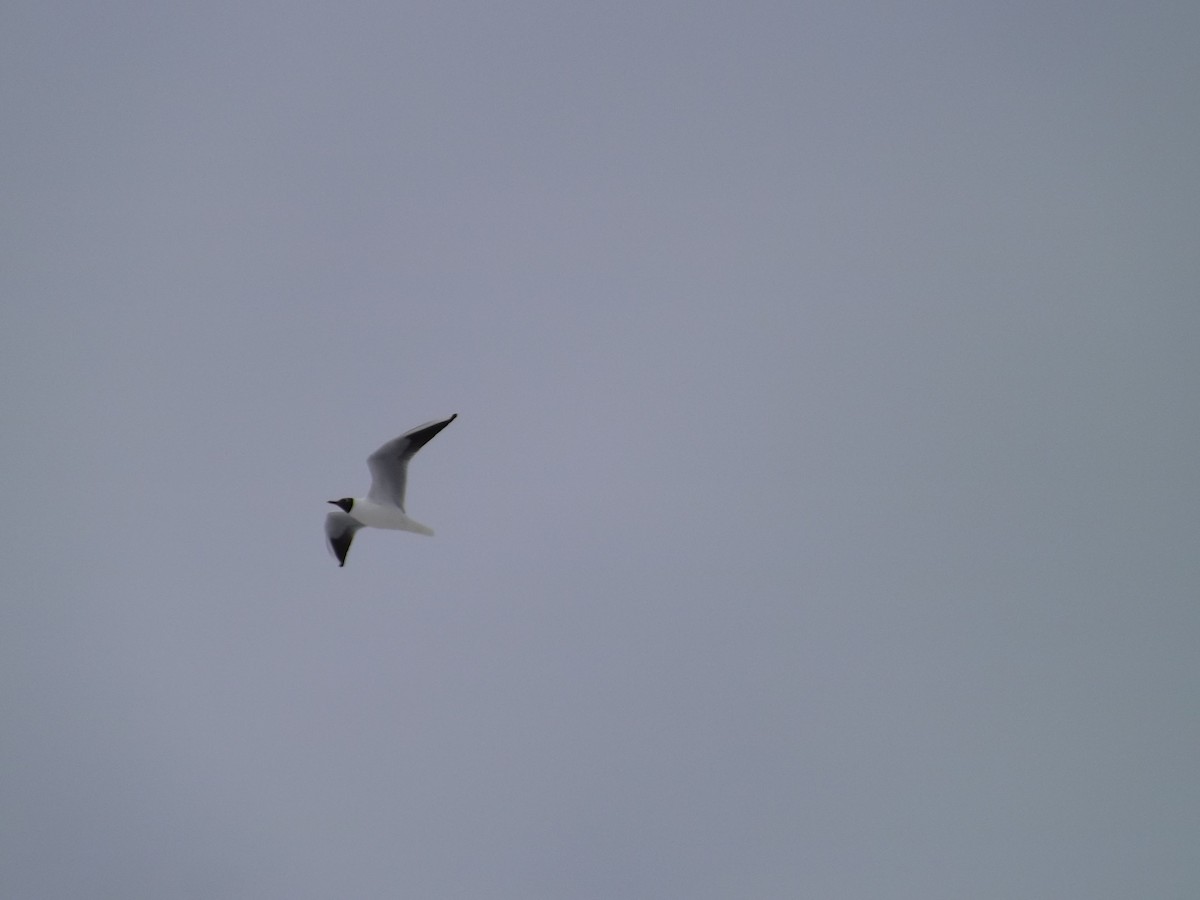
{"x": 374, "y": 515}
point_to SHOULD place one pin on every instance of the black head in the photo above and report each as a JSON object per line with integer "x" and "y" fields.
{"x": 346, "y": 503}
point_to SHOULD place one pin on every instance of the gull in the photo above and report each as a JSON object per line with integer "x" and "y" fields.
{"x": 383, "y": 507}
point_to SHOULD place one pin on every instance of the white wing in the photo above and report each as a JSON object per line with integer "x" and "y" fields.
{"x": 389, "y": 464}
{"x": 339, "y": 531}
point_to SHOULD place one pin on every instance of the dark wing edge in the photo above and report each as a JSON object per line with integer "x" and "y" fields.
{"x": 339, "y": 531}
{"x": 403, "y": 447}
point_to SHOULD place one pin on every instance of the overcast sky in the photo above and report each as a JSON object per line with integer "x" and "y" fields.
{"x": 822, "y": 518}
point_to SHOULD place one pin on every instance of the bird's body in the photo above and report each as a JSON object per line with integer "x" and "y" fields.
{"x": 383, "y": 507}
{"x": 382, "y": 515}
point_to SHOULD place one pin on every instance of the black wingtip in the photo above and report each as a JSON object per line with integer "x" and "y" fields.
{"x": 341, "y": 545}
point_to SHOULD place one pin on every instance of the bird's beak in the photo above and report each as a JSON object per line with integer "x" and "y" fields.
{"x": 334, "y": 502}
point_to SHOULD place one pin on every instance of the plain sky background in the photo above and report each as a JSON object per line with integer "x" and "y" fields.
{"x": 823, "y": 512}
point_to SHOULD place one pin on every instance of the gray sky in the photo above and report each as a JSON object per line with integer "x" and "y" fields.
{"x": 821, "y": 518}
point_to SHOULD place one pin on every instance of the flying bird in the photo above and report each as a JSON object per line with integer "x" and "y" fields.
{"x": 383, "y": 507}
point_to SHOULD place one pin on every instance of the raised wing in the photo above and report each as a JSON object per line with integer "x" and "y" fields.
{"x": 339, "y": 531}
{"x": 389, "y": 464}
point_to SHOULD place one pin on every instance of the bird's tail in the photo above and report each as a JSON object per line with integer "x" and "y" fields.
{"x": 417, "y": 527}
